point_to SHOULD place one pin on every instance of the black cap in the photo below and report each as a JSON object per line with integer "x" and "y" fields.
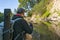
{"x": 20, "y": 10}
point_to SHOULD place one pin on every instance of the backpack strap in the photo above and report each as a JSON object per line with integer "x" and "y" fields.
{"x": 11, "y": 29}
{"x": 12, "y": 23}
{"x": 16, "y": 20}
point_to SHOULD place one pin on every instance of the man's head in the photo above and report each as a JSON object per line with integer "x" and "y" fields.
{"x": 20, "y": 11}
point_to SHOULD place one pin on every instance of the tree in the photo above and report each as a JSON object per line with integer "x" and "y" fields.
{"x": 37, "y": 6}
{"x": 26, "y": 3}
{"x": 1, "y": 17}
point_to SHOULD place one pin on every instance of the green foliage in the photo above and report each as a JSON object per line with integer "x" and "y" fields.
{"x": 41, "y": 7}
{"x": 1, "y": 17}
{"x": 58, "y": 12}
{"x": 29, "y": 14}
{"x": 38, "y": 6}
{"x": 23, "y": 3}
{"x": 46, "y": 14}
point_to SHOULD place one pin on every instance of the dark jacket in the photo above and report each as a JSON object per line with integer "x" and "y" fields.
{"x": 20, "y": 27}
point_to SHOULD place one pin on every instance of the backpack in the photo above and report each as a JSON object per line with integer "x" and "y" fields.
{"x": 26, "y": 36}
{"x": 11, "y": 24}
